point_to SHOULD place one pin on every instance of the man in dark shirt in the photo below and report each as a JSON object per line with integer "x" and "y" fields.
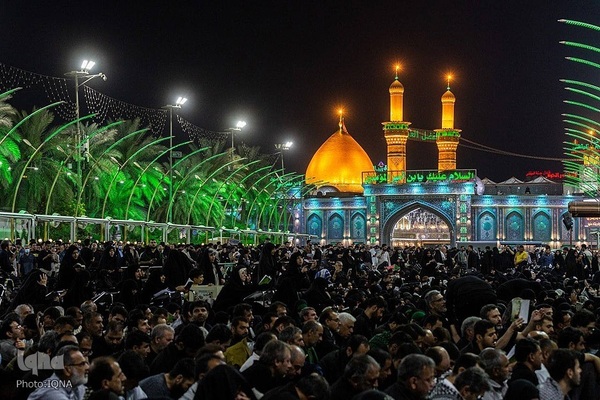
{"x": 484, "y": 336}
{"x": 529, "y": 359}
{"x": 436, "y": 306}
{"x": 170, "y": 385}
{"x": 416, "y": 378}
{"x": 366, "y": 321}
{"x": 111, "y": 342}
{"x": 333, "y": 364}
{"x": 151, "y": 256}
{"x": 269, "y": 370}
{"x": 186, "y": 344}
{"x": 331, "y": 324}
{"x": 472, "y": 258}
{"x": 360, "y": 375}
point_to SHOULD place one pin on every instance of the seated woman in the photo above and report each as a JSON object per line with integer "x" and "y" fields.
{"x": 155, "y": 283}
{"x": 235, "y": 290}
{"x": 317, "y": 296}
{"x": 131, "y": 255}
{"x": 81, "y": 290}
{"x": 177, "y": 267}
{"x": 210, "y": 264}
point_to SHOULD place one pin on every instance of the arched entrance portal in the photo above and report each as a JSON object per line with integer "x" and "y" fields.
{"x": 420, "y": 227}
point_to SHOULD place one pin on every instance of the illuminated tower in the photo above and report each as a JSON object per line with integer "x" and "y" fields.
{"x": 448, "y": 137}
{"x": 396, "y": 134}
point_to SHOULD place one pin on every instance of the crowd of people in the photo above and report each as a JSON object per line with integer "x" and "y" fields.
{"x": 91, "y": 320}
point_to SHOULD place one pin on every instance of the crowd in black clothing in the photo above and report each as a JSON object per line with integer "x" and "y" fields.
{"x": 298, "y": 322}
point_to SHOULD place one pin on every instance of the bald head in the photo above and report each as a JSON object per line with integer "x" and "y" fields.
{"x": 297, "y": 360}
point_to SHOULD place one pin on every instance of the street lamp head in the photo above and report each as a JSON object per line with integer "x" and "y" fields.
{"x": 240, "y": 124}
{"x": 87, "y": 65}
{"x": 284, "y": 146}
{"x": 180, "y": 101}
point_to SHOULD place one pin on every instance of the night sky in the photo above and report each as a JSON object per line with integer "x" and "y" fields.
{"x": 286, "y": 66}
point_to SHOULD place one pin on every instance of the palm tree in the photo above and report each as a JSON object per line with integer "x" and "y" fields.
{"x": 133, "y": 155}
{"x": 9, "y": 149}
{"x": 105, "y": 152}
{"x": 199, "y": 181}
{"x": 39, "y": 163}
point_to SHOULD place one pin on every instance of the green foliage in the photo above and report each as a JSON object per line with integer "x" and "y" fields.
{"x": 582, "y": 167}
{"x": 125, "y": 175}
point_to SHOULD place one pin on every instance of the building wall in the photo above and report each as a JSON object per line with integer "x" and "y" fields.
{"x": 471, "y": 218}
{"x": 336, "y": 219}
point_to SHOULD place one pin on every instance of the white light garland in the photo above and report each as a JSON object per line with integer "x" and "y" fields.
{"x": 196, "y": 133}
{"x": 55, "y": 89}
{"x": 106, "y": 107}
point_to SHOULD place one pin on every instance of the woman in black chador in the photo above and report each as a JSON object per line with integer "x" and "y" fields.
{"x": 210, "y": 265}
{"x": 292, "y": 281}
{"x": 267, "y": 264}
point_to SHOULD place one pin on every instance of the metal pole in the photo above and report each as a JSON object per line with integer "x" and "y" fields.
{"x": 232, "y": 133}
{"x": 78, "y": 139}
{"x": 169, "y": 214}
{"x": 282, "y": 167}
{"x": 571, "y": 238}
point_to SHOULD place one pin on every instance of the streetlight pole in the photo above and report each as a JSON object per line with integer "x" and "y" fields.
{"x": 83, "y": 73}
{"x": 238, "y": 127}
{"x": 282, "y": 147}
{"x": 180, "y": 101}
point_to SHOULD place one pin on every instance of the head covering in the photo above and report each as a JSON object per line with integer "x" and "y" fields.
{"x": 324, "y": 273}
{"x": 418, "y": 315}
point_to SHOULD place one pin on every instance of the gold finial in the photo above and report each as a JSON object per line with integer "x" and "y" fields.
{"x": 397, "y": 69}
{"x": 448, "y": 78}
{"x": 341, "y": 123}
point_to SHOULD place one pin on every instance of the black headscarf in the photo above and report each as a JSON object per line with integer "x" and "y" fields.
{"x": 267, "y": 264}
{"x": 66, "y": 272}
{"x": 177, "y": 268}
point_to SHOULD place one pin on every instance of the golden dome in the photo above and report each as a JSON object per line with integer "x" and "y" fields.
{"x": 339, "y": 162}
{"x": 396, "y": 87}
{"x": 448, "y": 97}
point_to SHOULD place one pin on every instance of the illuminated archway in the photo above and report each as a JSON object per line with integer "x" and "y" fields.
{"x": 419, "y": 225}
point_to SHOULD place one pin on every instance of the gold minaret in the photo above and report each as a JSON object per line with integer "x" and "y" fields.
{"x": 396, "y": 134}
{"x": 447, "y": 138}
